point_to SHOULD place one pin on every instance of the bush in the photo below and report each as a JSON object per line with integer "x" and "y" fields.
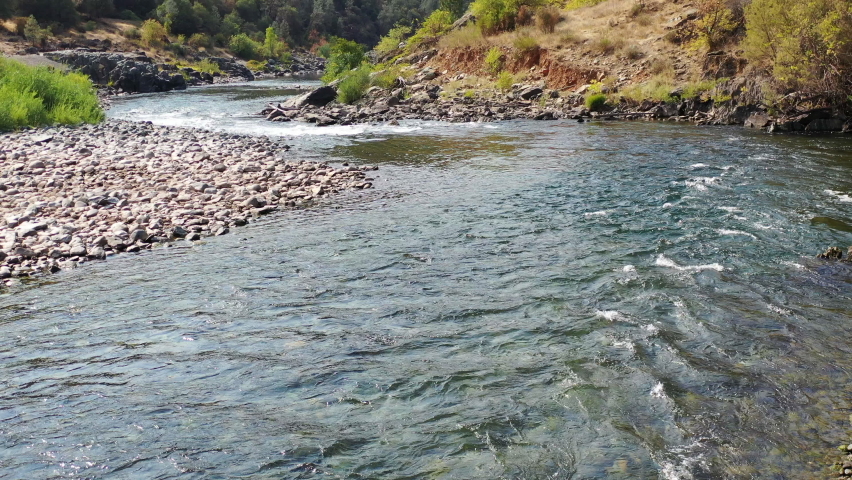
{"x": 35, "y": 34}
{"x": 96, "y": 8}
{"x": 438, "y": 23}
{"x": 495, "y": 16}
{"x": 633, "y": 52}
{"x": 207, "y": 66}
{"x": 256, "y": 65}
{"x": 595, "y": 102}
{"x": 547, "y": 17}
{"x": 200, "y": 40}
{"x": 353, "y": 85}
{"x": 525, "y": 44}
{"x": 129, "y": 15}
{"x": 132, "y": 33}
{"x": 387, "y": 78}
{"x": 153, "y": 33}
{"x": 344, "y": 55}
{"x": 90, "y": 25}
{"x": 32, "y": 96}
{"x": 805, "y": 45}
{"x": 244, "y": 47}
{"x": 716, "y": 23}
{"x": 505, "y": 81}
{"x": 524, "y": 16}
{"x": 391, "y": 42}
{"x": 178, "y": 17}
{"x": 273, "y": 47}
{"x": 494, "y": 61}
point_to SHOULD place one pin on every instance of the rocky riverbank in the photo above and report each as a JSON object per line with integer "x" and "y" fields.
{"x": 429, "y": 95}
{"x": 117, "y": 73}
{"x": 71, "y": 195}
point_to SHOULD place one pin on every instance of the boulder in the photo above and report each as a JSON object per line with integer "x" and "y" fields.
{"x": 320, "y": 97}
{"x": 531, "y": 93}
{"x": 825, "y": 125}
{"x": 758, "y": 120}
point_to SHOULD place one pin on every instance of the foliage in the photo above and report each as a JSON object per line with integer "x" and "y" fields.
{"x": 178, "y": 17}
{"x": 393, "y": 39}
{"x": 207, "y": 66}
{"x": 244, "y": 47}
{"x": 6, "y": 9}
{"x": 273, "y": 47}
{"x": 200, "y": 40}
{"x": 604, "y": 45}
{"x": 129, "y": 15}
{"x": 505, "y": 81}
{"x": 805, "y": 44}
{"x": 633, "y": 52}
{"x": 716, "y": 23}
{"x": 354, "y": 84}
{"x": 49, "y": 11}
{"x": 152, "y": 33}
{"x": 343, "y": 56}
{"x": 34, "y": 33}
{"x": 96, "y": 8}
{"x": 32, "y": 96}
{"x": 547, "y": 17}
{"x": 256, "y": 65}
{"x": 658, "y": 88}
{"x": 438, "y": 23}
{"x": 494, "y": 60}
{"x": 494, "y": 16}
{"x": 386, "y": 78}
{"x": 596, "y": 102}
{"x": 525, "y": 44}
{"x": 455, "y": 7}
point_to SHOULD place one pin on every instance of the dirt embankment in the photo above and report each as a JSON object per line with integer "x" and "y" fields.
{"x": 537, "y": 64}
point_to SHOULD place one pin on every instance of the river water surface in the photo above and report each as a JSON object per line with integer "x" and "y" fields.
{"x": 513, "y": 300}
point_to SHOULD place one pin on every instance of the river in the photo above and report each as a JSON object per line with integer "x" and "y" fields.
{"x": 512, "y": 300}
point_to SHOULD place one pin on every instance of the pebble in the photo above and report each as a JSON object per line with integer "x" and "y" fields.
{"x": 72, "y": 194}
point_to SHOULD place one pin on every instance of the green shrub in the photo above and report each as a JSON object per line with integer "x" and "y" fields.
{"x": 595, "y": 102}
{"x": 387, "y": 78}
{"x": 804, "y": 45}
{"x": 495, "y": 16}
{"x": 435, "y": 25}
{"x": 129, "y": 15}
{"x": 547, "y": 17}
{"x": 273, "y": 47}
{"x": 344, "y": 55}
{"x": 153, "y": 33}
{"x": 354, "y": 84}
{"x": 525, "y": 44}
{"x": 207, "y": 66}
{"x": 200, "y": 40}
{"x": 393, "y": 39}
{"x": 132, "y": 33}
{"x": 716, "y": 23}
{"x": 90, "y": 25}
{"x": 35, "y": 34}
{"x": 244, "y": 47}
{"x": 505, "y": 81}
{"x": 494, "y": 60}
{"x": 256, "y": 65}
{"x": 31, "y": 96}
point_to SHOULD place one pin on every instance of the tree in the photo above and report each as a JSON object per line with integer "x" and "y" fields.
{"x": 48, "y": 11}
{"x": 96, "y": 8}
{"x": 140, "y": 7}
{"x": 7, "y": 8}
{"x": 455, "y": 7}
{"x": 344, "y": 55}
{"x": 178, "y": 17}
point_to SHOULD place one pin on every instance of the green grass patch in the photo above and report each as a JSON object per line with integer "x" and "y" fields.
{"x": 505, "y": 81}
{"x": 32, "y": 97}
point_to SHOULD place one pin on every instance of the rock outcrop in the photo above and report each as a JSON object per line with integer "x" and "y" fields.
{"x": 130, "y": 74}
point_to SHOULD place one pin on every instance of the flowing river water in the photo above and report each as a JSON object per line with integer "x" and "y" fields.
{"x": 513, "y": 300}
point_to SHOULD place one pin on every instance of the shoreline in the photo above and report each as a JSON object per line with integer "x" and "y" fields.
{"x": 69, "y": 195}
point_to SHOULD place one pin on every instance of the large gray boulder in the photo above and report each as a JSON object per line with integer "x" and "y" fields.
{"x": 131, "y": 73}
{"x": 320, "y": 97}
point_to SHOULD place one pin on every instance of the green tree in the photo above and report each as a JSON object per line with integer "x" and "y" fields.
{"x": 178, "y": 17}
{"x": 244, "y": 47}
{"x": 805, "y": 44}
{"x": 48, "y": 11}
{"x": 7, "y": 8}
{"x": 207, "y": 18}
{"x": 455, "y": 7}
{"x": 97, "y": 8}
{"x": 273, "y": 47}
{"x": 344, "y": 55}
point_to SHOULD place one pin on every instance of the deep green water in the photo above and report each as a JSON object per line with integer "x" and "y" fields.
{"x": 515, "y": 300}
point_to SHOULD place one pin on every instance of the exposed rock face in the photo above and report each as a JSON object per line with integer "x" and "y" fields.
{"x": 132, "y": 74}
{"x": 232, "y": 67}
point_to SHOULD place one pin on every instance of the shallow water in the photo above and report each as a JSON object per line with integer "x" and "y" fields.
{"x": 513, "y": 300}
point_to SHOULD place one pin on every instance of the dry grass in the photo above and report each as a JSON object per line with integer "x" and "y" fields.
{"x": 469, "y": 36}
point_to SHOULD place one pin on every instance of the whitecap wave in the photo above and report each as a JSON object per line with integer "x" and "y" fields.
{"x": 663, "y": 261}
{"x": 611, "y": 315}
{"x": 723, "y": 231}
{"x": 839, "y": 195}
